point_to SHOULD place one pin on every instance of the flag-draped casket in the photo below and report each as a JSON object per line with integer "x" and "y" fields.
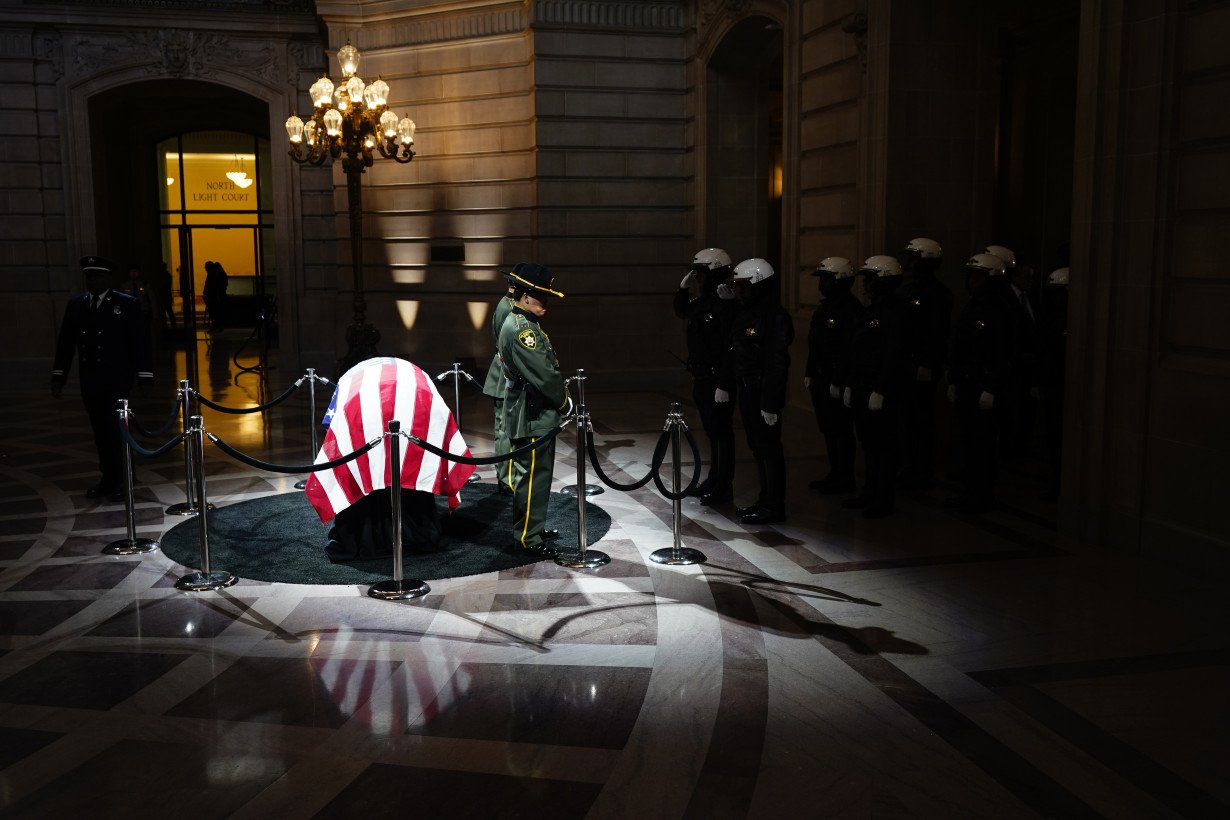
{"x": 368, "y": 396}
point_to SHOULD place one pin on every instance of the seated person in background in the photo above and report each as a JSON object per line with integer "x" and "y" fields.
{"x": 356, "y": 495}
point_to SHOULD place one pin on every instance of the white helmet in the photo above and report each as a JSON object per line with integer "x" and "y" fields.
{"x": 752, "y": 271}
{"x": 925, "y": 248}
{"x": 881, "y": 267}
{"x": 1059, "y": 276}
{"x": 1003, "y": 253}
{"x": 711, "y": 258}
{"x": 839, "y": 266}
{"x": 988, "y": 263}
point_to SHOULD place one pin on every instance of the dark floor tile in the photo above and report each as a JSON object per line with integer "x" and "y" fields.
{"x": 16, "y": 744}
{"x": 36, "y": 617}
{"x": 23, "y": 526}
{"x": 562, "y": 705}
{"x": 23, "y": 507}
{"x": 291, "y": 691}
{"x": 86, "y": 680}
{"x": 115, "y": 517}
{"x": 452, "y": 794}
{"x": 103, "y": 575}
{"x": 138, "y": 778}
{"x": 172, "y": 618}
{"x": 12, "y": 550}
{"x": 77, "y": 546}
{"x": 358, "y": 619}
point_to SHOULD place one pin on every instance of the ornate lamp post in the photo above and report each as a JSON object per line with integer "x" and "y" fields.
{"x": 351, "y": 120}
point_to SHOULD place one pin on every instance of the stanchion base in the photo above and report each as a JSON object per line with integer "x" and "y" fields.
{"x": 590, "y": 489}
{"x": 204, "y": 581}
{"x": 394, "y": 590}
{"x": 681, "y": 556}
{"x": 473, "y": 478}
{"x": 133, "y": 547}
{"x": 185, "y": 508}
{"x": 301, "y": 485}
{"x": 590, "y": 559}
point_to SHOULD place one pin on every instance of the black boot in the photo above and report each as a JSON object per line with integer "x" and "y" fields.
{"x": 773, "y": 494}
{"x": 760, "y": 493}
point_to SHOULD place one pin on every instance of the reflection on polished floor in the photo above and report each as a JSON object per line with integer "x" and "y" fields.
{"x": 923, "y": 665}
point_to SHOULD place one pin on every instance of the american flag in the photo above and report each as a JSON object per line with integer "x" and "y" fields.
{"x": 368, "y": 396}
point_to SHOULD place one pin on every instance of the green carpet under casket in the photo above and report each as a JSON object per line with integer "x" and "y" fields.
{"x": 280, "y": 538}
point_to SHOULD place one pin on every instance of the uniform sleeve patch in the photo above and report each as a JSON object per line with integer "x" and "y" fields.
{"x": 527, "y": 339}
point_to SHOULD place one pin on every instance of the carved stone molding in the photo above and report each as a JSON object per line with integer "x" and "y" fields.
{"x": 440, "y": 28}
{"x": 49, "y": 46}
{"x": 595, "y": 14}
{"x": 709, "y": 10}
{"x": 173, "y": 53}
{"x": 856, "y": 24}
{"x": 301, "y": 56}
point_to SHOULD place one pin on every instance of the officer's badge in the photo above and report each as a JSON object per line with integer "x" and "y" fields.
{"x": 751, "y": 331}
{"x": 916, "y": 303}
{"x": 527, "y": 339}
{"x": 116, "y": 310}
{"x": 980, "y": 325}
{"x": 831, "y": 322}
{"x": 708, "y": 317}
{"x": 874, "y": 324}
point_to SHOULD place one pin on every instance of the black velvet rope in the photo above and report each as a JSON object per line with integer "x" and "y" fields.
{"x": 260, "y": 407}
{"x": 161, "y": 430}
{"x": 696, "y": 467}
{"x": 141, "y": 451}
{"x": 283, "y": 468}
{"x": 659, "y": 454}
{"x": 485, "y": 460}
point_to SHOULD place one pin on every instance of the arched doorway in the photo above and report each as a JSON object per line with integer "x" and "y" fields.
{"x": 162, "y": 152}
{"x": 745, "y": 140}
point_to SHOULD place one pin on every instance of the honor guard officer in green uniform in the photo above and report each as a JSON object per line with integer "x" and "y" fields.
{"x": 536, "y": 395}
{"x": 494, "y": 385}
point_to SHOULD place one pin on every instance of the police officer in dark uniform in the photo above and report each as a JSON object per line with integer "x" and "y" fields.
{"x": 979, "y": 373}
{"x": 873, "y": 393}
{"x": 828, "y": 339}
{"x": 535, "y": 398}
{"x": 105, "y": 329}
{"x": 709, "y": 308}
{"x": 1052, "y": 354}
{"x": 494, "y": 385}
{"x": 928, "y": 312}
{"x": 758, "y": 362}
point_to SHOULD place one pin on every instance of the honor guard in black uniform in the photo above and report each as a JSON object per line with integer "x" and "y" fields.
{"x": 828, "y": 339}
{"x": 535, "y": 397}
{"x": 873, "y": 392}
{"x": 1052, "y": 354}
{"x": 105, "y": 329}
{"x": 928, "y": 312}
{"x": 980, "y": 370}
{"x": 1018, "y": 412}
{"x": 757, "y": 364}
{"x": 493, "y": 386}
{"x": 709, "y": 308}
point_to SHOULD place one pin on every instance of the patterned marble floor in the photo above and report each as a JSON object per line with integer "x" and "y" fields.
{"x": 924, "y": 665}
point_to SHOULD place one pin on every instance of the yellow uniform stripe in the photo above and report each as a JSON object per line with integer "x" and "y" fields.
{"x": 529, "y": 495}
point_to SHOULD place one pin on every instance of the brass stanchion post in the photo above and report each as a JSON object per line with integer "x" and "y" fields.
{"x": 205, "y": 579}
{"x": 130, "y": 545}
{"x": 676, "y": 554}
{"x": 399, "y": 588}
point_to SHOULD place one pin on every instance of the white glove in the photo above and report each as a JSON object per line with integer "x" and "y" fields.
{"x": 952, "y": 393}
{"x": 807, "y": 382}
{"x": 924, "y": 374}
{"x": 1033, "y": 393}
{"x": 875, "y": 402}
{"x": 721, "y": 396}
{"x": 689, "y": 279}
{"x": 724, "y": 292}
{"x": 769, "y": 418}
{"x": 845, "y": 397}
{"x": 834, "y": 391}
{"x": 986, "y": 401}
